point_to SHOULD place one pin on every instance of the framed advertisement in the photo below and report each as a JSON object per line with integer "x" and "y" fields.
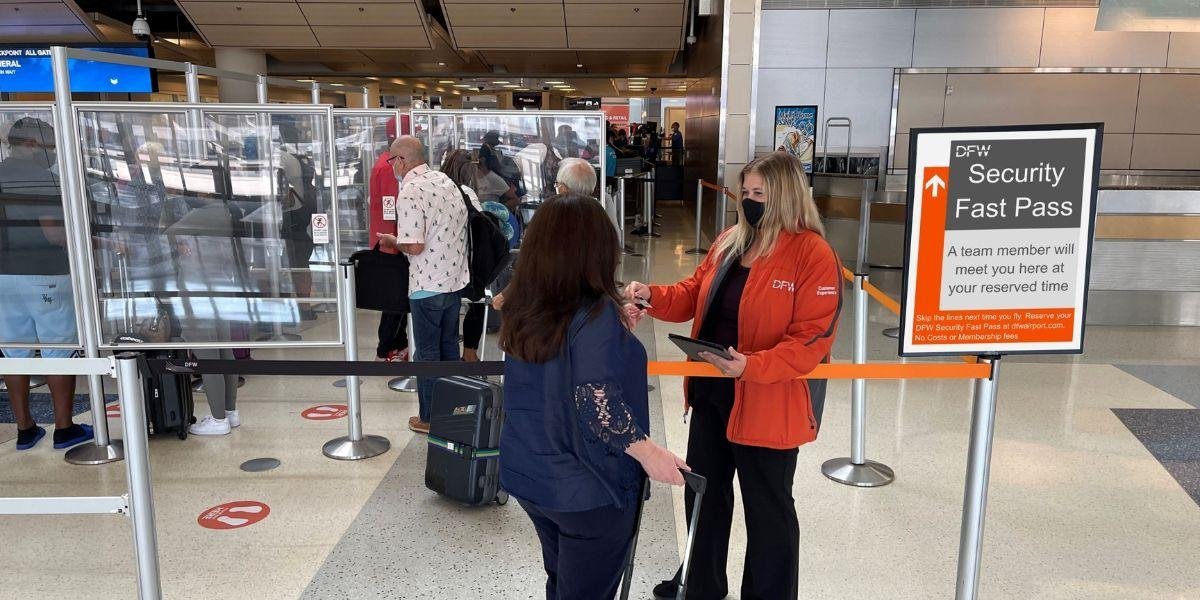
{"x": 796, "y": 132}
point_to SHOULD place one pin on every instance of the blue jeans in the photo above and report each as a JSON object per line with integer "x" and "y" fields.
{"x": 435, "y": 327}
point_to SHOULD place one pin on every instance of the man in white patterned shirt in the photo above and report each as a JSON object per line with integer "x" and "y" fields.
{"x": 431, "y": 228}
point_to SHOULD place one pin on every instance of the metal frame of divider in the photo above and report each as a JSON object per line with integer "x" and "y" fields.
{"x": 138, "y": 502}
{"x": 213, "y": 109}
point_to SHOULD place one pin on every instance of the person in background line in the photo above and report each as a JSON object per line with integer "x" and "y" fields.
{"x": 770, "y": 291}
{"x": 432, "y": 231}
{"x": 465, "y": 172}
{"x": 299, "y": 204}
{"x": 393, "y": 326}
{"x": 577, "y": 420}
{"x": 36, "y": 301}
{"x": 576, "y": 175}
{"x": 676, "y": 144}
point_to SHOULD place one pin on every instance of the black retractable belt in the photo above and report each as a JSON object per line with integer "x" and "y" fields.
{"x": 326, "y": 368}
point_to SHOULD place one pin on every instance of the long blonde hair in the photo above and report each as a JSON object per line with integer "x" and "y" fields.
{"x": 789, "y": 206}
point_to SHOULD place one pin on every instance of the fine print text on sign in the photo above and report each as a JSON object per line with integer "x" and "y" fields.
{"x": 999, "y": 240}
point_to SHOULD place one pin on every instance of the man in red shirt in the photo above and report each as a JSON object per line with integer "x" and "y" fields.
{"x": 393, "y": 334}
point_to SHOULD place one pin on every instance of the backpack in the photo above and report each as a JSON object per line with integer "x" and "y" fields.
{"x": 487, "y": 249}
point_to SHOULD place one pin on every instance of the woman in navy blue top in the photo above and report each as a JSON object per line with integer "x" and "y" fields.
{"x": 575, "y": 439}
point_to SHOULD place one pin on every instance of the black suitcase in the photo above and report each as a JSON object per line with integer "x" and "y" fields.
{"x": 170, "y": 407}
{"x": 463, "y": 461}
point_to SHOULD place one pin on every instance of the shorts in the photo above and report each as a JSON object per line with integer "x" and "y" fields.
{"x": 37, "y": 309}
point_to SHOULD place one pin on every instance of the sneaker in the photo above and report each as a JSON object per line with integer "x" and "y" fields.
{"x": 210, "y": 426}
{"x": 72, "y": 436}
{"x": 233, "y": 418}
{"x": 394, "y": 356}
{"x": 28, "y": 438}
{"x": 417, "y": 425}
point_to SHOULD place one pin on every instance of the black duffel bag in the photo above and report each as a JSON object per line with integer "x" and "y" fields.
{"x": 381, "y": 280}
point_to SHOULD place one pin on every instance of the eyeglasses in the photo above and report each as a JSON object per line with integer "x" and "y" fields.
{"x": 393, "y": 159}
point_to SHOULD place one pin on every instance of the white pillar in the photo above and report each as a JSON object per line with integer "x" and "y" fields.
{"x": 250, "y": 62}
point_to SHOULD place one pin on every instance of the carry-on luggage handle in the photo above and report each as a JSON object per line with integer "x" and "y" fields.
{"x": 697, "y": 483}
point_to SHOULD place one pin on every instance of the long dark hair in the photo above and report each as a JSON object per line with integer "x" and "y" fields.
{"x": 568, "y": 261}
{"x": 459, "y": 167}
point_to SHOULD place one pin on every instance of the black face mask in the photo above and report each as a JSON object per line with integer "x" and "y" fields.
{"x": 754, "y": 212}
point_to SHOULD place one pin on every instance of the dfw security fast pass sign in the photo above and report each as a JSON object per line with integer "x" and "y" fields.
{"x": 999, "y": 235}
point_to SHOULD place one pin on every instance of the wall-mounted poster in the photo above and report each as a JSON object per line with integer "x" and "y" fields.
{"x": 796, "y": 132}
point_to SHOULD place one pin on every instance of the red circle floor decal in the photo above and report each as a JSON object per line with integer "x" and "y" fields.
{"x": 113, "y": 411}
{"x": 326, "y": 412}
{"x": 233, "y": 515}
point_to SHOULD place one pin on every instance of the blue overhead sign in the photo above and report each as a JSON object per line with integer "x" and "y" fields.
{"x": 27, "y": 69}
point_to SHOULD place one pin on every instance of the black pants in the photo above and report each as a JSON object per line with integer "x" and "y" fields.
{"x": 583, "y": 552}
{"x": 472, "y": 327}
{"x": 393, "y": 333}
{"x": 771, "y": 571}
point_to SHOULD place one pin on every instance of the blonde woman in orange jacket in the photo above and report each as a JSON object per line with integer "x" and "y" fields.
{"x": 769, "y": 290}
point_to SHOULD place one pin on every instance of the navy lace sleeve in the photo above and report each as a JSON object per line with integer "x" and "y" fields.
{"x": 604, "y": 415}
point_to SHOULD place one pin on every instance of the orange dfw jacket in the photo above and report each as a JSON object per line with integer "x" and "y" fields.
{"x": 787, "y": 320}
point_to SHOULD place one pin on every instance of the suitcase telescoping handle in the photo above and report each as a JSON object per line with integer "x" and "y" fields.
{"x": 697, "y": 483}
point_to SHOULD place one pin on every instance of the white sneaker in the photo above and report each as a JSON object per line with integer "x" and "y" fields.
{"x": 233, "y": 418}
{"x": 210, "y": 426}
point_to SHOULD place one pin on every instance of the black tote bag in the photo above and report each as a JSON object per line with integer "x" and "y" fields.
{"x": 381, "y": 280}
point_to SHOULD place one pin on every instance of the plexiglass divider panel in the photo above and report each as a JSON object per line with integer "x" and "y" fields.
{"x": 361, "y": 138}
{"x": 38, "y": 307}
{"x": 524, "y": 148}
{"x": 224, "y": 234}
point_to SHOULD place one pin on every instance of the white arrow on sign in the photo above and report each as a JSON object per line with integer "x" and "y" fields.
{"x": 935, "y": 182}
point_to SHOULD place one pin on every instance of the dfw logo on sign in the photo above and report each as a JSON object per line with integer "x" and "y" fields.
{"x": 1001, "y": 231}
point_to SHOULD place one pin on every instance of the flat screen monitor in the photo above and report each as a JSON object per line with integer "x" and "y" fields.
{"x": 27, "y": 69}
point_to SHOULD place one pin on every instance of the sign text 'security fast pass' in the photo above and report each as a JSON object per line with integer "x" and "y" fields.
{"x": 999, "y": 239}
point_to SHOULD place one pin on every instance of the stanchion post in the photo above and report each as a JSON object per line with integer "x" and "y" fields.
{"x": 407, "y": 384}
{"x": 137, "y": 469}
{"x": 354, "y": 445}
{"x": 103, "y": 449}
{"x": 857, "y": 470}
{"x": 699, "y": 249}
{"x": 979, "y": 464}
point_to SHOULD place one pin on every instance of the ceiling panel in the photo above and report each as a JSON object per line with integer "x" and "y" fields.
{"x": 510, "y": 37}
{"x": 371, "y": 37}
{"x": 243, "y": 13}
{"x": 325, "y": 24}
{"x": 640, "y": 61}
{"x": 47, "y": 33}
{"x": 624, "y": 15}
{"x": 318, "y": 55}
{"x": 32, "y": 15}
{"x": 660, "y": 38}
{"x": 525, "y": 62}
{"x": 378, "y": 14}
{"x": 505, "y": 15}
{"x": 259, "y": 36}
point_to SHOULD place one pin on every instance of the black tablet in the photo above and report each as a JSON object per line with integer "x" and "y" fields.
{"x": 693, "y": 347}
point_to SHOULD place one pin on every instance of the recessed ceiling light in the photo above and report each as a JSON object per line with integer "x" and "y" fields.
{"x": 501, "y": 82}
{"x": 512, "y": 86}
{"x": 446, "y": 81}
{"x": 462, "y": 85}
{"x": 555, "y": 82}
{"x": 441, "y": 64}
{"x": 579, "y": 66}
{"x": 637, "y": 78}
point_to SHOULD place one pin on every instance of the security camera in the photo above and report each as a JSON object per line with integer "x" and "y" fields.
{"x": 141, "y": 28}
{"x": 653, "y": 89}
{"x": 480, "y": 88}
{"x": 545, "y": 88}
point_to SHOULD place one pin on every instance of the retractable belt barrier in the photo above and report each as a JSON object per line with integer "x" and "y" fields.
{"x": 331, "y": 368}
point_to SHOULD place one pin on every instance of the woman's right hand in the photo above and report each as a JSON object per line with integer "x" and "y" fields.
{"x": 660, "y": 464}
{"x": 637, "y": 292}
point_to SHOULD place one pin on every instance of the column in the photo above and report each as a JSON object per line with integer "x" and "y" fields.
{"x": 251, "y": 62}
{"x": 740, "y": 58}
